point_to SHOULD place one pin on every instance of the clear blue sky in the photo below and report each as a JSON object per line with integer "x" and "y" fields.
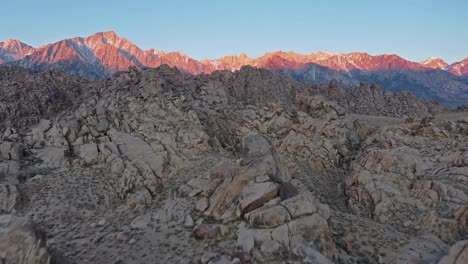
{"x": 414, "y": 29}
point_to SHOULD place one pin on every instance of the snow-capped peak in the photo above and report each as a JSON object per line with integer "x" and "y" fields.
{"x": 434, "y": 63}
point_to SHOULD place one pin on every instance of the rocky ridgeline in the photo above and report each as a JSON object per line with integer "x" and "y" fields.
{"x": 250, "y": 166}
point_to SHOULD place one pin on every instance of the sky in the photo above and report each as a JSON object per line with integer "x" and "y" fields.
{"x": 413, "y": 29}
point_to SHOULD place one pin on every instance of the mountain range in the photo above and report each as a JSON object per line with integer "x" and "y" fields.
{"x": 105, "y": 53}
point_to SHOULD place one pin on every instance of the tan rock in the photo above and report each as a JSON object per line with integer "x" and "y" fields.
{"x": 210, "y": 231}
{"x": 52, "y": 157}
{"x": 11, "y": 150}
{"x": 21, "y": 242}
{"x": 254, "y": 195}
{"x": 202, "y": 204}
{"x": 138, "y": 150}
{"x": 140, "y": 222}
{"x": 188, "y": 221}
{"x": 173, "y": 210}
{"x": 199, "y": 183}
{"x": 245, "y": 238}
{"x": 258, "y": 158}
{"x": 263, "y": 178}
{"x": 223, "y": 170}
{"x": 270, "y": 247}
{"x": 458, "y": 254}
{"x": 123, "y": 236}
{"x": 268, "y": 217}
{"x": 90, "y": 153}
{"x": 281, "y": 235}
{"x": 301, "y": 204}
{"x": 311, "y": 227}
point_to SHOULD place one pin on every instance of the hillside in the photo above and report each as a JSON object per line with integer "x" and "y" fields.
{"x": 250, "y": 166}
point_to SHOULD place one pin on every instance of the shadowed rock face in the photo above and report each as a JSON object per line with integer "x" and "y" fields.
{"x": 27, "y": 96}
{"x": 251, "y": 166}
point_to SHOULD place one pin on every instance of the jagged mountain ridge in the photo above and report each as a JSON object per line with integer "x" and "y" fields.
{"x": 459, "y": 68}
{"x": 12, "y": 50}
{"x": 116, "y": 53}
{"x": 102, "y": 54}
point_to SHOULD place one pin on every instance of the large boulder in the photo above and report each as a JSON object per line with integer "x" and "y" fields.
{"x": 458, "y": 254}
{"x": 259, "y": 157}
{"x": 21, "y": 242}
{"x": 138, "y": 150}
{"x": 254, "y": 195}
{"x": 240, "y": 187}
{"x": 272, "y": 208}
{"x": 11, "y": 150}
{"x": 268, "y": 217}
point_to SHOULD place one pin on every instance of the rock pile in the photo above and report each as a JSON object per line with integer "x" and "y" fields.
{"x": 414, "y": 172}
{"x": 276, "y": 217}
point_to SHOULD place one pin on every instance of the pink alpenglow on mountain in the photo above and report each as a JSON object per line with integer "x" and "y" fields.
{"x": 434, "y": 63}
{"x": 459, "y": 68}
{"x": 104, "y": 53}
{"x": 13, "y": 49}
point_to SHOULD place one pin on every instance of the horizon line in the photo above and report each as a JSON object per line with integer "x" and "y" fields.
{"x": 236, "y": 55}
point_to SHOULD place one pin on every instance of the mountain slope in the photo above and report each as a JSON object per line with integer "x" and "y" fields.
{"x": 314, "y": 73}
{"x": 459, "y": 68}
{"x": 105, "y": 53}
{"x": 94, "y": 57}
{"x": 434, "y": 63}
{"x": 12, "y": 50}
{"x": 71, "y": 56}
{"x": 437, "y": 85}
{"x": 115, "y": 53}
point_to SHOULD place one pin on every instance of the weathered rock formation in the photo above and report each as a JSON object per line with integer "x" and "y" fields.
{"x": 21, "y": 242}
{"x": 245, "y": 166}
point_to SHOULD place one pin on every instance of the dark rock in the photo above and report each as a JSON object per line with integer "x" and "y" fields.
{"x": 287, "y": 190}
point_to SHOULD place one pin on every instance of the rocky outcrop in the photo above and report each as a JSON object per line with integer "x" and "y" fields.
{"x": 415, "y": 168}
{"x": 247, "y": 166}
{"x": 458, "y": 253}
{"x": 11, "y": 150}
{"x": 106, "y": 131}
{"x": 255, "y": 183}
{"x": 11, "y": 154}
{"x": 318, "y": 117}
{"x": 251, "y": 192}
